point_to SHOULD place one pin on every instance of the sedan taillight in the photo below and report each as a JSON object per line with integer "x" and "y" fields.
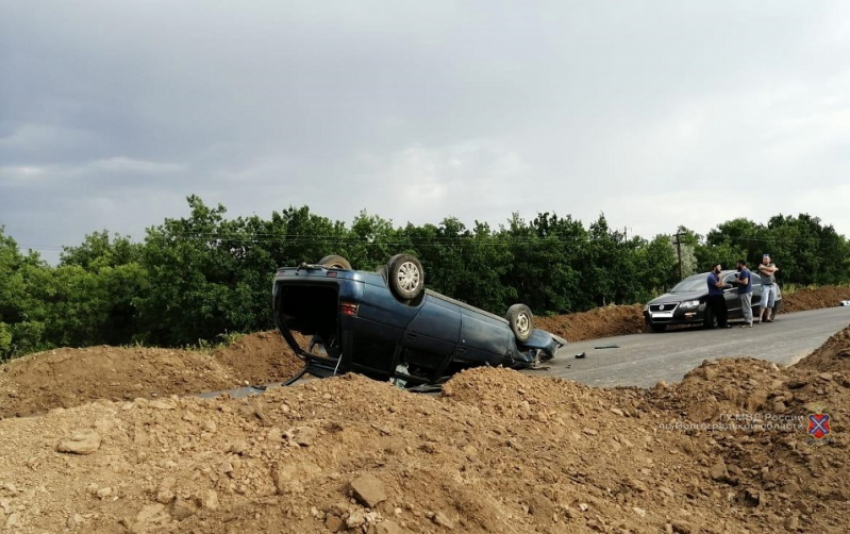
{"x": 348, "y": 308}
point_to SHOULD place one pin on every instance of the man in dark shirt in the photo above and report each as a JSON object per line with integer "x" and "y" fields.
{"x": 716, "y": 300}
{"x": 745, "y": 291}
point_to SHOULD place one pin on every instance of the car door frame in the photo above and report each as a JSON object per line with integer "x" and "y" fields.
{"x": 427, "y": 338}
{"x": 758, "y": 291}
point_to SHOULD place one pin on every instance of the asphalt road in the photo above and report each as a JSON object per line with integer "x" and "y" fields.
{"x": 644, "y": 359}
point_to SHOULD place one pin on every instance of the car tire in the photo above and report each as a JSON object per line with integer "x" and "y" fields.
{"x": 335, "y": 262}
{"x": 658, "y": 328}
{"x": 405, "y": 276}
{"x": 521, "y": 320}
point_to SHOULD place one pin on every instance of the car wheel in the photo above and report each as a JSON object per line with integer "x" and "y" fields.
{"x": 335, "y": 262}
{"x": 405, "y": 276}
{"x": 521, "y": 320}
{"x": 658, "y": 327}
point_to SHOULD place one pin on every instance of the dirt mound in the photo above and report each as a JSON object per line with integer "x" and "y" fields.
{"x": 761, "y": 424}
{"x": 728, "y": 449}
{"x": 64, "y": 378}
{"x": 499, "y": 452}
{"x": 812, "y": 299}
{"x": 260, "y": 358}
{"x": 600, "y": 322}
{"x": 834, "y": 355}
{"x": 70, "y": 377}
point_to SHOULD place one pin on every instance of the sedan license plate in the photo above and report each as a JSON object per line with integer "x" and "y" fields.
{"x": 662, "y": 315}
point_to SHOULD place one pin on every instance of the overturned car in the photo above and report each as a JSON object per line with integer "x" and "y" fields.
{"x": 388, "y": 326}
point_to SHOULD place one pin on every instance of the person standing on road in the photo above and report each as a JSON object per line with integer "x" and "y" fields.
{"x": 716, "y": 300}
{"x": 745, "y": 291}
{"x": 768, "y": 296}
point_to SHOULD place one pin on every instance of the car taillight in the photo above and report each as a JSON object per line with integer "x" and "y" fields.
{"x": 348, "y": 308}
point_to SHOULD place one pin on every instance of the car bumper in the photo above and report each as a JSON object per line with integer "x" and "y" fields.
{"x": 679, "y": 316}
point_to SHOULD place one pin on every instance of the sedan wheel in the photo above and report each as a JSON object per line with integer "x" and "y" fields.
{"x": 405, "y": 276}
{"x": 408, "y": 276}
{"x": 521, "y": 319}
{"x": 335, "y": 262}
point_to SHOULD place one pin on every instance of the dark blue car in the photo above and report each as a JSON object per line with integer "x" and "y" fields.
{"x": 386, "y": 325}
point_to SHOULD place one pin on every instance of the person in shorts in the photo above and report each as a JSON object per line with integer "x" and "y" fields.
{"x": 768, "y": 297}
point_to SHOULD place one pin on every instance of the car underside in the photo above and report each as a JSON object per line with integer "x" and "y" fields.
{"x": 356, "y": 323}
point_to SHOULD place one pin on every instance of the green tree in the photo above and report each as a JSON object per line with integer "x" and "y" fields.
{"x": 197, "y": 277}
{"x": 98, "y": 250}
{"x": 196, "y": 291}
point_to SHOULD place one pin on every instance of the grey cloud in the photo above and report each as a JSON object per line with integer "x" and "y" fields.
{"x": 113, "y": 112}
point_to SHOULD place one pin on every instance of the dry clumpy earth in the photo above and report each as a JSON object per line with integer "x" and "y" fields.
{"x": 810, "y": 299}
{"x": 498, "y": 452}
{"x": 70, "y": 377}
{"x": 612, "y": 320}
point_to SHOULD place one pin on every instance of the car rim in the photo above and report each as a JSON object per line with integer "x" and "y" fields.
{"x": 522, "y": 324}
{"x": 408, "y": 276}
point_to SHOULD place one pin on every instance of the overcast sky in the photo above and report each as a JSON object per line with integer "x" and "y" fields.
{"x": 655, "y": 113}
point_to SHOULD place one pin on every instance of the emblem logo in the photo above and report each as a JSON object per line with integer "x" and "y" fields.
{"x": 819, "y": 425}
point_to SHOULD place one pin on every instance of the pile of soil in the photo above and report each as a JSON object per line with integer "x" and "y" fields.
{"x": 70, "y": 377}
{"x": 812, "y": 299}
{"x": 612, "y": 320}
{"x": 499, "y": 452}
{"x": 834, "y": 355}
{"x": 261, "y": 358}
{"x": 761, "y": 421}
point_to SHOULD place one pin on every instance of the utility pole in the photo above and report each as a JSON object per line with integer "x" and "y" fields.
{"x": 678, "y": 235}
